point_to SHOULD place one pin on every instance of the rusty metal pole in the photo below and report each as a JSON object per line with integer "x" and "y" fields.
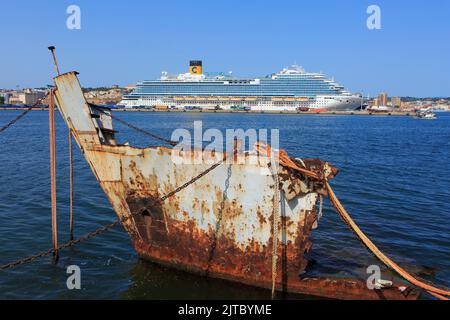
{"x": 52, "y": 49}
{"x": 51, "y": 118}
{"x": 71, "y": 185}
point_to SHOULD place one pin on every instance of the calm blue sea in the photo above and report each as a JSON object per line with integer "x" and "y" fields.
{"x": 394, "y": 180}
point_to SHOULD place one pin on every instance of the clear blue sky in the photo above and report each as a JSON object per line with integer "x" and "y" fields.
{"x": 122, "y": 42}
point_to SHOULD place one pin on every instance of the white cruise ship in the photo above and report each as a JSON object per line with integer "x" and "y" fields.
{"x": 290, "y": 89}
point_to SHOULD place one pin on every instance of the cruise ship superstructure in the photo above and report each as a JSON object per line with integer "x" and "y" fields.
{"x": 290, "y": 89}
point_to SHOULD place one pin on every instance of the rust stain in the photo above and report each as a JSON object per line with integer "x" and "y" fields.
{"x": 250, "y": 266}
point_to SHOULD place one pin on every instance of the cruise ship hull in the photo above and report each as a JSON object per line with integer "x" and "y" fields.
{"x": 340, "y": 103}
{"x": 319, "y": 104}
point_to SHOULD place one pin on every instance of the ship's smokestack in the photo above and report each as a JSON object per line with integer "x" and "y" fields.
{"x": 195, "y": 67}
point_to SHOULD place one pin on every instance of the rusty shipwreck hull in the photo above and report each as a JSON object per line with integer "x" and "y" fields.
{"x": 220, "y": 226}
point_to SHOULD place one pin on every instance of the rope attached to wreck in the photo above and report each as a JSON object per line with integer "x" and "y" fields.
{"x": 437, "y": 292}
{"x": 431, "y": 289}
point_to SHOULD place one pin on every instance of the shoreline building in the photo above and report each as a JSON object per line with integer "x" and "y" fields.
{"x": 396, "y": 102}
{"x": 382, "y": 99}
{"x": 6, "y": 97}
{"x": 26, "y": 97}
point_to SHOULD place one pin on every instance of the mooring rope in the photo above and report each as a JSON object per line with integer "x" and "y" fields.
{"x": 437, "y": 292}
